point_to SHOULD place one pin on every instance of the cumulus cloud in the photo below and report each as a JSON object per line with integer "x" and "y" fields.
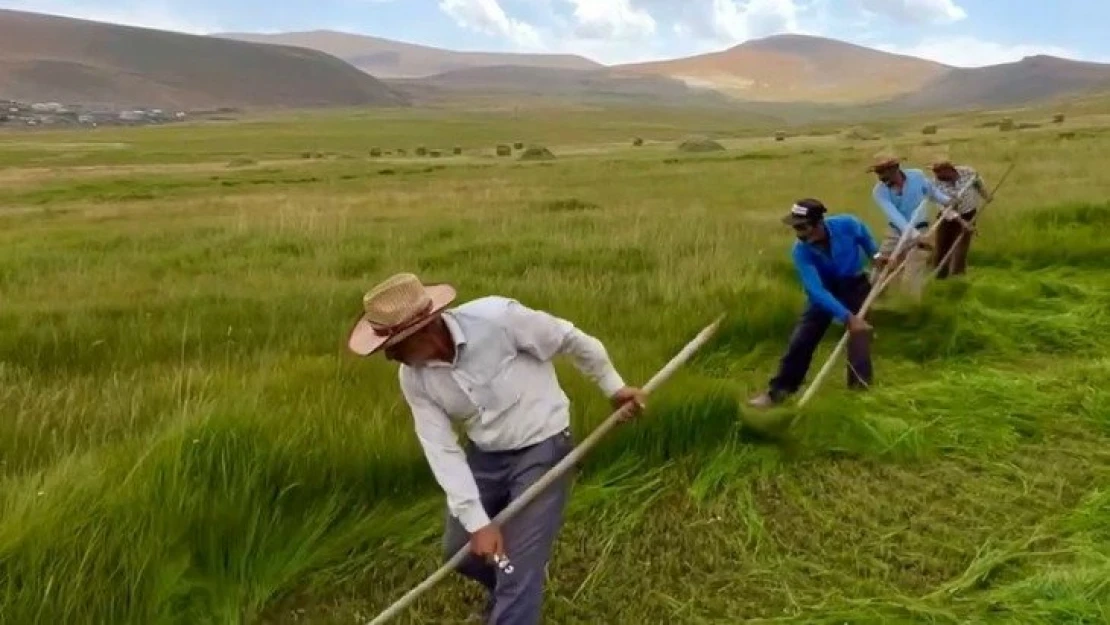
{"x": 972, "y": 52}
{"x": 918, "y": 11}
{"x": 611, "y": 19}
{"x": 488, "y": 16}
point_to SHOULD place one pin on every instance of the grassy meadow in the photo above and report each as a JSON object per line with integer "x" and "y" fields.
{"x": 184, "y": 438}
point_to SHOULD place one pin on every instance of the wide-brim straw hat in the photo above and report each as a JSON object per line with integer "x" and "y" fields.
{"x": 884, "y": 158}
{"x": 394, "y": 310}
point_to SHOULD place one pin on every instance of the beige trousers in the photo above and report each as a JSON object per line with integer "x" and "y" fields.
{"x": 912, "y": 278}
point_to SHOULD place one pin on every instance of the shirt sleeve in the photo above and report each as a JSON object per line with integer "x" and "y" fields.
{"x": 445, "y": 457}
{"x": 545, "y": 336}
{"x": 811, "y": 282}
{"x": 888, "y": 208}
{"x": 865, "y": 240}
{"x": 935, "y": 193}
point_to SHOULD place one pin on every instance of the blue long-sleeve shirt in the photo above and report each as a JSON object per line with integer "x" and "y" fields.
{"x": 899, "y": 206}
{"x": 849, "y": 240}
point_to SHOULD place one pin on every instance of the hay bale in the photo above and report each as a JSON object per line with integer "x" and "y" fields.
{"x": 637, "y": 142}
{"x": 401, "y": 152}
{"x": 421, "y": 151}
{"x": 700, "y": 144}
{"x": 859, "y": 133}
{"x": 457, "y": 151}
{"x": 519, "y": 145}
{"x": 1006, "y": 125}
{"x": 375, "y": 151}
{"x": 1058, "y": 118}
{"x": 780, "y": 135}
{"x": 536, "y": 153}
{"x": 504, "y": 150}
{"x": 931, "y": 129}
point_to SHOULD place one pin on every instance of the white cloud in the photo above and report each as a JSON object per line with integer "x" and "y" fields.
{"x": 487, "y": 16}
{"x": 972, "y": 52}
{"x": 738, "y": 20}
{"x": 919, "y": 11}
{"x": 611, "y": 19}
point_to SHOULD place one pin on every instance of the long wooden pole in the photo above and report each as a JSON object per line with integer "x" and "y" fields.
{"x": 554, "y": 473}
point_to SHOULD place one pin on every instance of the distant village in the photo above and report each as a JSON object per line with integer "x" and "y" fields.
{"x": 53, "y": 114}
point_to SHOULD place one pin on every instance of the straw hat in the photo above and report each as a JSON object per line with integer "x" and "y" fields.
{"x": 394, "y": 310}
{"x": 884, "y": 158}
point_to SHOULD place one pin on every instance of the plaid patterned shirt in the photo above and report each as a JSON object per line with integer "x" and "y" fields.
{"x": 972, "y": 199}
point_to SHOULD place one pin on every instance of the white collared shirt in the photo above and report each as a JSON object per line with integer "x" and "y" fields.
{"x": 502, "y": 386}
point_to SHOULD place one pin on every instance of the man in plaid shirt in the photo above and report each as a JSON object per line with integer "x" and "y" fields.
{"x": 950, "y": 178}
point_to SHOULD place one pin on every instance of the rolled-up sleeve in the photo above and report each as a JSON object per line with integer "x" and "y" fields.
{"x": 445, "y": 457}
{"x": 545, "y": 336}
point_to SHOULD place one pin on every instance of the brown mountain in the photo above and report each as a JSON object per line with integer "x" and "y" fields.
{"x": 1032, "y": 79}
{"x": 794, "y": 68}
{"x": 598, "y": 86}
{"x": 385, "y": 58}
{"x": 49, "y": 58}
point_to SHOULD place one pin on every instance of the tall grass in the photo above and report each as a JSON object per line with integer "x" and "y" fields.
{"x": 185, "y": 440}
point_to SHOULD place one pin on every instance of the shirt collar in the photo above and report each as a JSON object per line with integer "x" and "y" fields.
{"x": 457, "y": 336}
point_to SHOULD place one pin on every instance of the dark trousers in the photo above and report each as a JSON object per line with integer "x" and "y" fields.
{"x": 515, "y": 598}
{"x": 948, "y": 232}
{"x": 811, "y": 328}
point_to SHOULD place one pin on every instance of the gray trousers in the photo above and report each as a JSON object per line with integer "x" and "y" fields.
{"x": 516, "y": 598}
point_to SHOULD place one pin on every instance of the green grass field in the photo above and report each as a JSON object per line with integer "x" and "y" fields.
{"x": 185, "y": 439}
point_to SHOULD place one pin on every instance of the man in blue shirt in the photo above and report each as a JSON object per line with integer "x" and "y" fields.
{"x": 829, "y": 255}
{"x": 899, "y": 193}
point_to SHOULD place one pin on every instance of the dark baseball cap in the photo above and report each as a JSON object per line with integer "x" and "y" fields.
{"x": 805, "y": 211}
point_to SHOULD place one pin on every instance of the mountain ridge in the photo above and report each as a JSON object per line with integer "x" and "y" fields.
{"x": 388, "y": 58}
{"x": 52, "y": 58}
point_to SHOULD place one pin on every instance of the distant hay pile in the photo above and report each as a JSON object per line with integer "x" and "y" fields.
{"x": 375, "y": 151}
{"x": 519, "y": 145}
{"x": 504, "y": 150}
{"x": 780, "y": 135}
{"x": 457, "y": 151}
{"x": 931, "y": 129}
{"x": 1058, "y": 118}
{"x": 637, "y": 142}
{"x": 421, "y": 151}
{"x": 1006, "y": 125}
{"x": 859, "y": 133}
{"x": 700, "y": 144}
{"x": 536, "y": 153}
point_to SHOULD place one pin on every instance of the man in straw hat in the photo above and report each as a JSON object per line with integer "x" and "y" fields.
{"x": 898, "y": 193}
{"x": 829, "y": 255}
{"x": 950, "y": 178}
{"x": 487, "y": 364}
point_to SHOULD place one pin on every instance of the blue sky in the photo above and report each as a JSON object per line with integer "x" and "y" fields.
{"x": 959, "y": 32}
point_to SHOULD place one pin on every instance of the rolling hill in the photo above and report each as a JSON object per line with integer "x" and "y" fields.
{"x": 793, "y": 68}
{"x": 49, "y": 58}
{"x": 1030, "y": 80}
{"x": 385, "y": 58}
{"x": 598, "y": 86}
